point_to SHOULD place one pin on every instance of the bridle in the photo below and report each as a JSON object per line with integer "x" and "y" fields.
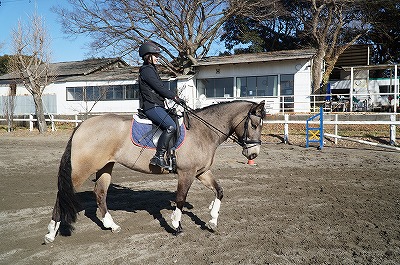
{"x": 244, "y": 141}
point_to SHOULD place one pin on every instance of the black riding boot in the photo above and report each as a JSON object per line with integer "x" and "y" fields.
{"x": 162, "y": 147}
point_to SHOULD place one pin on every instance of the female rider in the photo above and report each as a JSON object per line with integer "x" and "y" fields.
{"x": 152, "y": 97}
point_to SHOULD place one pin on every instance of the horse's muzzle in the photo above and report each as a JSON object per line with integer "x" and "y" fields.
{"x": 251, "y": 151}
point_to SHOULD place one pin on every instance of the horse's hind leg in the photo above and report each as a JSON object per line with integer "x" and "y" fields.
{"x": 103, "y": 180}
{"x": 208, "y": 180}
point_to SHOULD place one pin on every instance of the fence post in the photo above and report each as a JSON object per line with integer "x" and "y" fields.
{"x": 393, "y": 130}
{"x": 76, "y": 120}
{"x": 336, "y": 126}
{"x": 30, "y": 122}
{"x": 286, "y": 132}
{"x": 53, "y": 126}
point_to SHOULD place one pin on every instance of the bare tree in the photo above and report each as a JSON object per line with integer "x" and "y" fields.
{"x": 31, "y": 62}
{"x": 9, "y": 106}
{"x": 332, "y": 25}
{"x": 184, "y": 29}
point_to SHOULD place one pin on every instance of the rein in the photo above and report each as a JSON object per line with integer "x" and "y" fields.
{"x": 242, "y": 141}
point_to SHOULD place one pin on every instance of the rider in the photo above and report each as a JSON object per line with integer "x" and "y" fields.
{"x": 152, "y": 97}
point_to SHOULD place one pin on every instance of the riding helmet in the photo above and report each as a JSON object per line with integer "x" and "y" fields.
{"x": 148, "y": 47}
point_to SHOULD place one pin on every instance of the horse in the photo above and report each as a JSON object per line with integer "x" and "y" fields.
{"x": 100, "y": 142}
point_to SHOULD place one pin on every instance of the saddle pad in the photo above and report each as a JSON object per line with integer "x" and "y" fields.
{"x": 142, "y": 136}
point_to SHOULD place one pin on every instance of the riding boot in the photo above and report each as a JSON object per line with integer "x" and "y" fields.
{"x": 162, "y": 147}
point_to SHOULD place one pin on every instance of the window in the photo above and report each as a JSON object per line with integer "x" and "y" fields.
{"x": 75, "y": 93}
{"x": 287, "y": 92}
{"x": 385, "y": 89}
{"x": 114, "y": 92}
{"x": 171, "y": 85}
{"x": 287, "y": 85}
{"x": 215, "y": 87}
{"x": 132, "y": 91}
{"x": 257, "y": 86}
{"x": 93, "y": 93}
{"x": 111, "y": 92}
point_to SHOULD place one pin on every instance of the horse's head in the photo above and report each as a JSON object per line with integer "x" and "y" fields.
{"x": 249, "y": 130}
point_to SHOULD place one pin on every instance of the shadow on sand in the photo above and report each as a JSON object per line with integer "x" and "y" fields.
{"x": 121, "y": 198}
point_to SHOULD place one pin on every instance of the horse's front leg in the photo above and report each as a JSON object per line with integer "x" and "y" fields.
{"x": 208, "y": 180}
{"x": 103, "y": 180}
{"x": 185, "y": 180}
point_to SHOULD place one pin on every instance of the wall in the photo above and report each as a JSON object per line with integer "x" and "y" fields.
{"x": 300, "y": 69}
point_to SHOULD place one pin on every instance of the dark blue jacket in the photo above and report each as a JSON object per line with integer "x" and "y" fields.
{"x": 152, "y": 90}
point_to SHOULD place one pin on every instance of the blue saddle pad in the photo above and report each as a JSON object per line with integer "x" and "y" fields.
{"x": 142, "y": 135}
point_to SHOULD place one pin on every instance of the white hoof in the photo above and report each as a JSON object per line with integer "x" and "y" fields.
{"x": 115, "y": 228}
{"x": 52, "y": 231}
{"x": 108, "y": 222}
{"x": 49, "y": 239}
{"x": 213, "y": 224}
{"x": 176, "y": 218}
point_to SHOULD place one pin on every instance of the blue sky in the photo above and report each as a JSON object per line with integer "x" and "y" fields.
{"x": 63, "y": 49}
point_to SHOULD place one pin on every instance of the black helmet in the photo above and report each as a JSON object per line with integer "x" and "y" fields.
{"x": 148, "y": 47}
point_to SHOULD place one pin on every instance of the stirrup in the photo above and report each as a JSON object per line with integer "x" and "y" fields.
{"x": 159, "y": 161}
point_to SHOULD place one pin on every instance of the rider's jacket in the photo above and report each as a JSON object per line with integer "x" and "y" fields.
{"x": 152, "y": 90}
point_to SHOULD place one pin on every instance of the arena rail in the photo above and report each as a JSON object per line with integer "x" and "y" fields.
{"x": 392, "y": 122}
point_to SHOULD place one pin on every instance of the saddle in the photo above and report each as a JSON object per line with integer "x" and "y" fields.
{"x": 145, "y": 134}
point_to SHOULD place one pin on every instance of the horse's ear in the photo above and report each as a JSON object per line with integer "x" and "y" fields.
{"x": 259, "y": 109}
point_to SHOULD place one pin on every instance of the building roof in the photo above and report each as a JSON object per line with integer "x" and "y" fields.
{"x": 257, "y": 57}
{"x": 105, "y": 69}
{"x": 87, "y": 67}
{"x": 77, "y": 68}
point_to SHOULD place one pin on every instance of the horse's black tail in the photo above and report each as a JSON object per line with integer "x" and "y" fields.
{"x": 67, "y": 201}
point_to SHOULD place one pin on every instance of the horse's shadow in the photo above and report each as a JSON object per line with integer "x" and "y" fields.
{"x": 126, "y": 199}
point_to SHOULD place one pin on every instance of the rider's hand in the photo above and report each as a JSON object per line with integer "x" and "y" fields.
{"x": 179, "y": 101}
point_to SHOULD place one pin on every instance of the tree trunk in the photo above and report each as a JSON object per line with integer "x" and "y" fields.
{"x": 41, "y": 122}
{"x": 316, "y": 70}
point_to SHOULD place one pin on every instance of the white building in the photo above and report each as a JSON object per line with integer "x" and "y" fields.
{"x": 110, "y": 85}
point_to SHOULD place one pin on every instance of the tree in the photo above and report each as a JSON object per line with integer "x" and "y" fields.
{"x": 329, "y": 26}
{"x": 31, "y": 62}
{"x": 384, "y": 31}
{"x": 184, "y": 29}
{"x": 4, "y": 64}
{"x": 9, "y": 106}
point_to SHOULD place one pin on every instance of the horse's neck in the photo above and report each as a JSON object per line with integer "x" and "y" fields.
{"x": 223, "y": 119}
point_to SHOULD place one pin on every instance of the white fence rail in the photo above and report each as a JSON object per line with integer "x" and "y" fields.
{"x": 31, "y": 121}
{"x": 391, "y": 119}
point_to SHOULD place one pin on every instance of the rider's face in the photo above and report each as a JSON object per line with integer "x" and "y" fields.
{"x": 154, "y": 58}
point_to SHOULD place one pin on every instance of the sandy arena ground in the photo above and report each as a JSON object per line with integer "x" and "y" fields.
{"x": 295, "y": 206}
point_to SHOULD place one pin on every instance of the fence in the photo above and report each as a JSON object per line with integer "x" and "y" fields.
{"x": 51, "y": 120}
{"x": 391, "y": 119}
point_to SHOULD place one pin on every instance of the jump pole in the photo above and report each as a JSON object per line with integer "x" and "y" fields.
{"x": 362, "y": 141}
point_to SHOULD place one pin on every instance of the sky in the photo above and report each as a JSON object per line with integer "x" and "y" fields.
{"x": 63, "y": 49}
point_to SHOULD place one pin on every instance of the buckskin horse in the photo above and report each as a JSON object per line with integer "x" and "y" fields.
{"x": 101, "y": 141}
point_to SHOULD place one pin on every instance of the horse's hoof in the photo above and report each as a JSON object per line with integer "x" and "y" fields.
{"x": 212, "y": 225}
{"x": 178, "y": 230}
{"x": 48, "y": 239}
{"x": 116, "y": 229}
